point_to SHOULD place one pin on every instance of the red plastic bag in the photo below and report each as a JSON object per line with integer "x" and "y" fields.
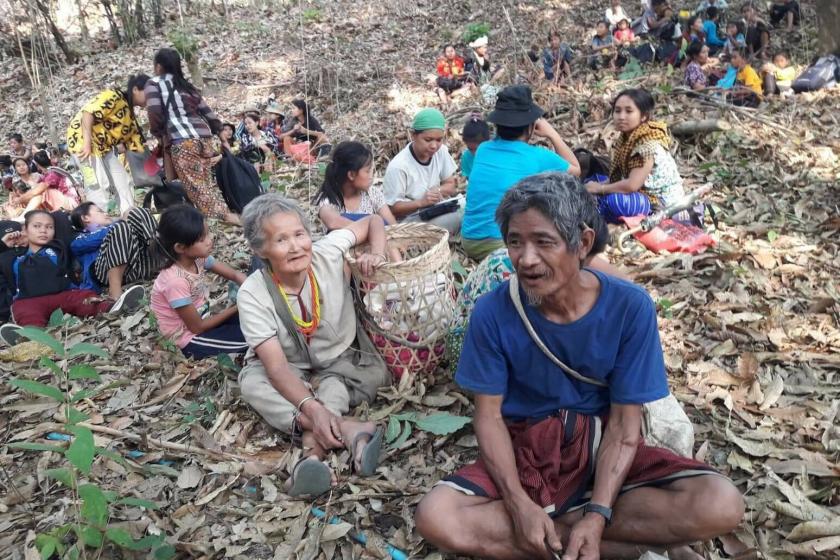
{"x": 672, "y": 236}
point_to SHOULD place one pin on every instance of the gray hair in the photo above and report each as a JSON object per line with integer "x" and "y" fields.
{"x": 263, "y": 207}
{"x": 560, "y": 197}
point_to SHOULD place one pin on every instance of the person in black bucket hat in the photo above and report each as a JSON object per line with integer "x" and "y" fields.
{"x": 506, "y": 159}
{"x": 515, "y": 107}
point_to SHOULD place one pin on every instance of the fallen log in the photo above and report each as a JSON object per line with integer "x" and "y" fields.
{"x": 691, "y": 128}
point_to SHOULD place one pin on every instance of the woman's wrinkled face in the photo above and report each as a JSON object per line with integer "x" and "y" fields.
{"x": 21, "y": 168}
{"x": 251, "y": 124}
{"x": 449, "y": 52}
{"x": 287, "y": 246}
{"x": 427, "y": 143}
{"x": 626, "y": 115}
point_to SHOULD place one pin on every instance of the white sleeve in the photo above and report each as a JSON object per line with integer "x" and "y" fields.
{"x": 394, "y": 184}
{"x": 448, "y": 166}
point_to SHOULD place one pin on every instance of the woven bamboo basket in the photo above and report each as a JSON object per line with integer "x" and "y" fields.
{"x": 408, "y": 307}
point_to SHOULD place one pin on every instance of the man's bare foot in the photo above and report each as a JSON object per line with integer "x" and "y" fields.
{"x": 350, "y": 429}
{"x": 683, "y": 553}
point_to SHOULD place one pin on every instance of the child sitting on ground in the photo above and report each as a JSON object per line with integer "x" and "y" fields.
{"x": 785, "y": 11}
{"x": 710, "y": 28}
{"x": 615, "y": 13}
{"x": 603, "y": 49}
{"x": 623, "y": 35}
{"x": 451, "y": 76}
{"x": 734, "y": 39}
{"x": 778, "y": 75}
{"x": 42, "y": 277}
{"x": 747, "y": 92}
{"x": 347, "y": 194}
{"x": 475, "y": 132}
{"x": 111, "y": 252}
{"x": 180, "y": 295}
{"x": 556, "y": 58}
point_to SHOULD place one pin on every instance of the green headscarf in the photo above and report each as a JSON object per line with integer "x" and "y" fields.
{"x": 428, "y": 119}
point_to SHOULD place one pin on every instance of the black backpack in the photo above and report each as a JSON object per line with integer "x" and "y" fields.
{"x": 238, "y": 180}
{"x": 38, "y": 276}
{"x": 592, "y": 167}
{"x": 168, "y": 193}
{"x": 825, "y": 72}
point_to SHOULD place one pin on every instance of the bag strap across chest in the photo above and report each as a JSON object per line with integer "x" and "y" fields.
{"x": 517, "y": 303}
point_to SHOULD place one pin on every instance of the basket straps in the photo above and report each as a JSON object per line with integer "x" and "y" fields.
{"x": 517, "y": 303}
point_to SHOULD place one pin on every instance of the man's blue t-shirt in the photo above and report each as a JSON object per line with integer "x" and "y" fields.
{"x": 710, "y": 28}
{"x": 498, "y": 165}
{"x": 617, "y": 342}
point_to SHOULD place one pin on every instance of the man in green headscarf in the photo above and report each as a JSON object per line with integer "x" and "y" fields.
{"x": 422, "y": 176}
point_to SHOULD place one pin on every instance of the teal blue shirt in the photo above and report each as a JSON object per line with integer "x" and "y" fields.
{"x": 500, "y": 164}
{"x": 467, "y": 158}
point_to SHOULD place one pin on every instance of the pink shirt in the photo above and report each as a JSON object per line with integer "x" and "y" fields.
{"x": 624, "y": 34}
{"x": 175, "y": 287}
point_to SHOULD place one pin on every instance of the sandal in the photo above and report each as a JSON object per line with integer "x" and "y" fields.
{"x": 370, "y": 456}
{"x": 310, "y": 477}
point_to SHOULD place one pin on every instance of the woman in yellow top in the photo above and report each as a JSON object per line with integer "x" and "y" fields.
{"x": 101, "y": 130}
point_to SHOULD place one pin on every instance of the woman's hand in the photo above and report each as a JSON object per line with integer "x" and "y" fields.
{"x": 86, "y": 149}
{"x": 325, "y": 425}
{"x": 432, "y": 197}
{"x": 594, "y": 187}
{"x": 368, "y": 263}
{"x": 14, "y": 239}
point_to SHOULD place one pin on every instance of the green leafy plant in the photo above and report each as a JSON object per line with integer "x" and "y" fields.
{"x": 474, "y": 31}
{"x": 94, "y": 505}
{"x": 400, "y": 426}
{"x": 665, "y": 305}
{"x": 185, "y": 43}
{"x": 311, "y": 15}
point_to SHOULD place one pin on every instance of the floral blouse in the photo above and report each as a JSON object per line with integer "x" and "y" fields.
{"x": 694, "y": 75}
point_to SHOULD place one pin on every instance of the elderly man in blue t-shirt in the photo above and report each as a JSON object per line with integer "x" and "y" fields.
{"x": 563, "y": 467}
{"x": 503, "y": 161}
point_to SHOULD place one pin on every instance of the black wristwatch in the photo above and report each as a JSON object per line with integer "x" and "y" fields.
{"x": 603, "y": 511}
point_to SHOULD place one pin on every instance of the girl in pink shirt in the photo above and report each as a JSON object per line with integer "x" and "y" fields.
{"x": 180, "y": 295}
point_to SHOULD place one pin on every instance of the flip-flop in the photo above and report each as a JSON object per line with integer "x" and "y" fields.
{"x": 370, "y": 456}
{"x": 309, "y": 478}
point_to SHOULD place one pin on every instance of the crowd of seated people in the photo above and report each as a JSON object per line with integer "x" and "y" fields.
{"x": 519, "y": 210}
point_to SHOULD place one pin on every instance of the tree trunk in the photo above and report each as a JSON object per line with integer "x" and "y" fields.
{"x": 828, "y": 22}
{"x": 112, "y": 22}
{"x": 83, "y": 28}
{"x": 195, "y": 72}
{"x": 69, "y": 55}
{"x": 139, "y": 18}
{"x": 690, "y": 128}
{"x": 157, "y": 16}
